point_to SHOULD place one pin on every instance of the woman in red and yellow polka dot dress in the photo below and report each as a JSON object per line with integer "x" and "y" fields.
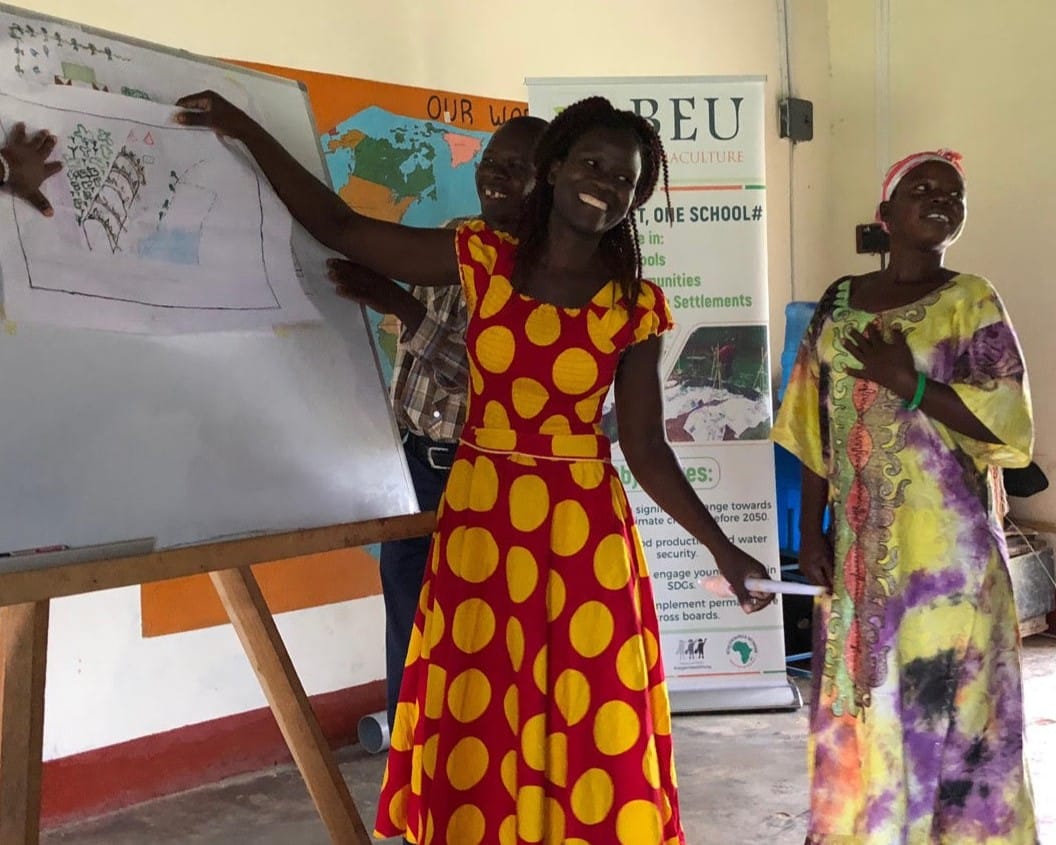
{"x": 533, "y": 706}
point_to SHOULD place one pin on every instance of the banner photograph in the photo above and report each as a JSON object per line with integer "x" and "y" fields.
{"x": 707, "y": 250}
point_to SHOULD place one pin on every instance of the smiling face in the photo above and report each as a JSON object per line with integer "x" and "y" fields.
{"x": 506, "y": 174}
{"x": 594, "y": 184}
{"x": 927, "y": 208}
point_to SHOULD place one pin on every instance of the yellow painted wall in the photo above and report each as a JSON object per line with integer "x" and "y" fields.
{"x": 456, "y": 44}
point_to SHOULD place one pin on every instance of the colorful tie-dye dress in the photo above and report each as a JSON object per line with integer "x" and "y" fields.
{"x": 917, "y": 713}
{"x": 534, "y": 707}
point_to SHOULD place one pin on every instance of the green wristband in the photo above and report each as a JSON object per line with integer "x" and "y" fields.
{"x": 914, "y": 403}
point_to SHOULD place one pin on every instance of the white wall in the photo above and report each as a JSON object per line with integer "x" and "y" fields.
{"x": 977, "y": 77}
{"x": 106, "y": 684}
{"x": 126, "y": 687}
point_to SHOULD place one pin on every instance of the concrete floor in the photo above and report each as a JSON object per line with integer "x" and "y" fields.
{"x": 741, "y": 780}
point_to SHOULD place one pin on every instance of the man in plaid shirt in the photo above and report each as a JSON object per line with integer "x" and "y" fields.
{"x": 430, "y": 375}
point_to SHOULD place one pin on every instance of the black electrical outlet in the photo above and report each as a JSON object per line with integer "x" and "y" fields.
{"x": 797, "y": 119}
{"x": 870, "y": 239}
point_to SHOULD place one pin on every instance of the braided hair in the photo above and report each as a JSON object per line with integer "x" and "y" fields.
{"x": 619, "y": 246}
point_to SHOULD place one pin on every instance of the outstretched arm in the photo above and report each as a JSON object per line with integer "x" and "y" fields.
{"x": 639, "y": 411}
{"x": 418, "y": 256}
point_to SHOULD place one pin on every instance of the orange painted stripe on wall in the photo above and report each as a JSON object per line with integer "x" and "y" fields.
{"x": 188, "y": 604}
{"x": 336, "y": 98}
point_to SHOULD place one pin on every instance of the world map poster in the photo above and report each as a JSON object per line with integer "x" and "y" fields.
{"x": 398, "y": 153}
{"x": 401, "y": 153}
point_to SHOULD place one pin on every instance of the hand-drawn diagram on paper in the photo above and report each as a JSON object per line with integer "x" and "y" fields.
{"x": 39, "y": 50}
{"x": 157, "y": 228}
{"x": 109, "y": 188}
{"x": 34, "y": 51}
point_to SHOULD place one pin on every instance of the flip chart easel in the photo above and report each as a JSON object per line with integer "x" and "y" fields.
{"x": 25, "y": 598}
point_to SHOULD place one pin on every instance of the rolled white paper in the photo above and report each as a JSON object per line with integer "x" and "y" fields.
{"x": 719, "y": 586}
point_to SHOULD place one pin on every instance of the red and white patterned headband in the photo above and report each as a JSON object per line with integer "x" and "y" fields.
{"x": 900, "y": 168}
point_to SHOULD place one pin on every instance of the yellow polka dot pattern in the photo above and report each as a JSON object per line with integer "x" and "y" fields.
{"x": 522, "y": 574}
{"x": 600, "y": 333}
{"x": 534, "y": 708}
{"x": 495, "y": 415}
{"x": 588, "y": 474}
{"x": 571, "y": 528}
{"x": 529, "y": 503}
{"x": 616, "y": 728}
{"x": 495, "y": 348}
{"x": 469, "y": 695}
{"x": 556, "y": 594}
{"x": 515, "y": 643}
{"x": 612, "y": 563}
{"x": 575, "y": 372}
{"x": 637, "y": 822}
{"x": 557, "y": 424}
{"x": 592, "y": 796}
{"x": 496, "y": 297}
{"x": 587, "y": 409}
{"x": 533, "y": 742}
{"x": 630, "y": 665}
{"x": 572, "y": 695}
{"x": 476, "y": 379}
{"x": 467, "y": 826}
{"x": 475, "y": 554}
{"x": 543, "y": 325}
{"x": 473, "y": 625}
{"x": 508, "y": 773}
{"x": 467, "y": 763}
{"x": 529, "y": 397}
{"x": 591, "y": 628}
{"x": 496, "y": 440}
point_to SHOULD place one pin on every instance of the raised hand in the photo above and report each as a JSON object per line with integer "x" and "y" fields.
{"x": 886, "y": 361}
{"x": 736, "y": 565}
{"x": 209, "y": 109}
{"x": 28, "y": 166}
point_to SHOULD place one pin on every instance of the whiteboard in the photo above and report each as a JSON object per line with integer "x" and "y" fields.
{"x": 189, "y": 438}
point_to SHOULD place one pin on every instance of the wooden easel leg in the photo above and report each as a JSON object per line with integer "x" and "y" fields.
{"x": 252, "y": 620}
{"x": 23, "y": 662}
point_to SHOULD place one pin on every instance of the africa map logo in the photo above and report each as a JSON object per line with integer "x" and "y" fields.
{"x": 742, "y": 651}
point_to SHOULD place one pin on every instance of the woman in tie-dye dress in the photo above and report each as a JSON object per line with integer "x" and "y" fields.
{"x": 909, "y": 387}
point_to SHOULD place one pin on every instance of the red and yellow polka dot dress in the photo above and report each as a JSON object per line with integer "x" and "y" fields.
{"x": 534, "y": 708}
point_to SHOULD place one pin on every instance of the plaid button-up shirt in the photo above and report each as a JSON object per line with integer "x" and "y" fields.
{"x": 430, "y": 376}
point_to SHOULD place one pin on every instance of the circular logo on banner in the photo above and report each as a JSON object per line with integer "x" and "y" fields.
{"x": 742, "y": 651}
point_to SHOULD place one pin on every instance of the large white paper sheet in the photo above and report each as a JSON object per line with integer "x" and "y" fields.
{"x": 157, "y": 228}
{"x": 64, "y": 53}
